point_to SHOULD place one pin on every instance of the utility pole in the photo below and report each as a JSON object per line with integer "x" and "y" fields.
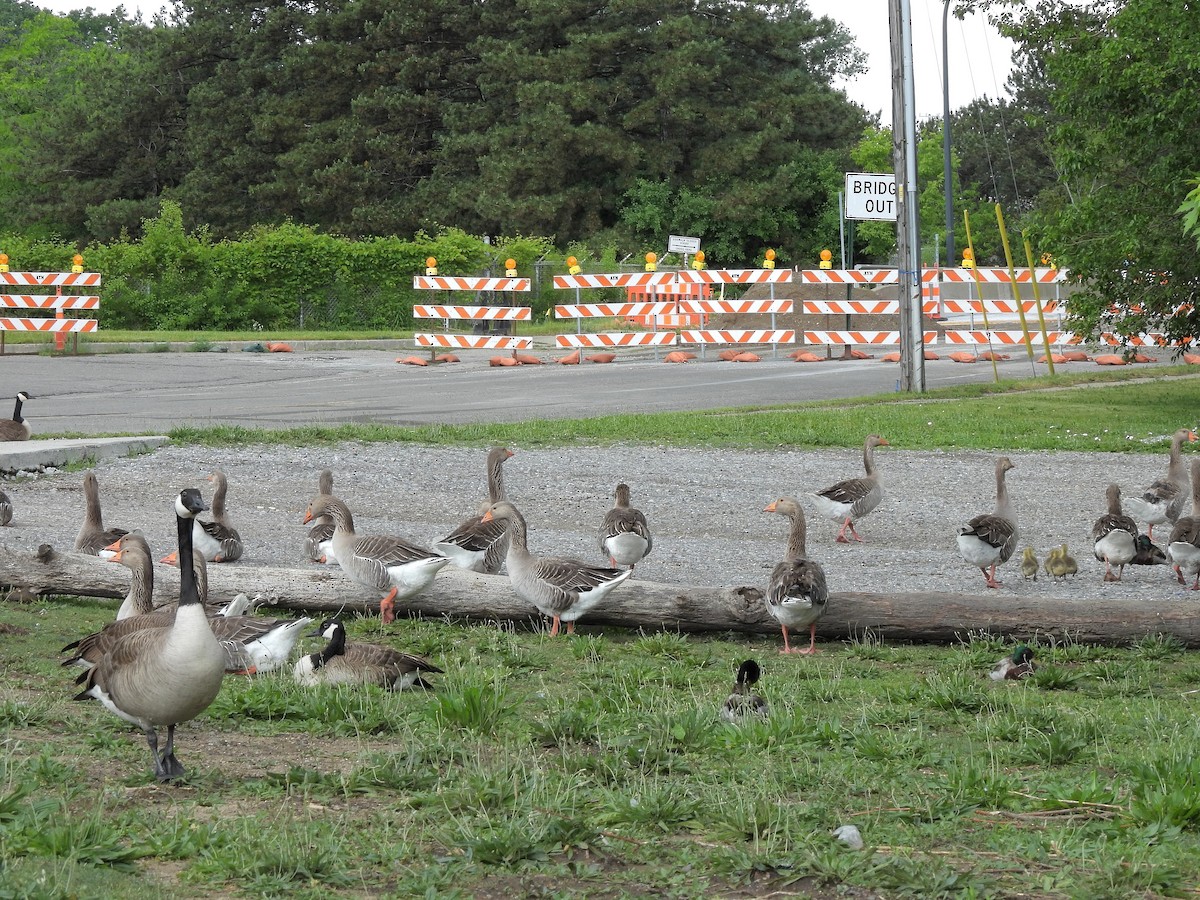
{"x": 947, "y": 173}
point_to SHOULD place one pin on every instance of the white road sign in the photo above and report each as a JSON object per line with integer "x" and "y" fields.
{"x": 871, "y": 196}
{"x": 679, "y": 244}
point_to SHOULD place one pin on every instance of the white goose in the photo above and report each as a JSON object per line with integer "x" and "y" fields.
{"x": 93, "y": 537}
{"x": 797, "y": 594}
{"x": 624, "y": 533}
{"x": 855, "y": 497}
{"x": 989, "y": 540}
{"x": 353, "y": 663}
{"x": 1114, "y": 536}
{"x": 318, "y": 542}
{"x": 1183, "y": 548}
{"x": 475, "y": 545}
{"x": 1163, "y": 500}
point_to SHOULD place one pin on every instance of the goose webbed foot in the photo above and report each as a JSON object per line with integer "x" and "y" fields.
{"x": 387, "y": 607}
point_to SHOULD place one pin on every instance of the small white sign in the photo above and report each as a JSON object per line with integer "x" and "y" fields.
{"x": 871, "y": 196}
{"x": 679, "y": 244}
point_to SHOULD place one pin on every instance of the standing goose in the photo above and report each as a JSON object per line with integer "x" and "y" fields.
{"x": 16, "y": 428}
{"x": 624, "y": 534}
{"x": 168, "y": 675}
{"x": 560, "y": 587}
{"x": 93, "y": 537}
{"x": 797, "y": 594}
{"x": 743, "y": 702}
{"x": 383, "y": 562}
{"x": 475, "y": 545}
{"x": 343, "y": 663}
{"x": 1163, "y": 500}
{"x": 854, "y": 498}
{"x": 318, "y": 544}
{"x": 988, "y": 541}
{"x": 1184, "y": 546}
{"x": 1114, "y": 536}
{"x": 6, "y": 508}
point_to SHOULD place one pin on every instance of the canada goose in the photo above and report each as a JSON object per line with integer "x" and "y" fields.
{"x": 168, "y": 675}
{"x": 1183, "y": 548}
{"x": 1114, "y": 536}
{"x": 93, "y": 538}
{"x": 624, "y": 533}
{"x": 1019, "y": 665}
{"x": 318, "y": 541}
{"x": 855, "y": 497}
{"x": 343, "y": 663}
{"x": 989, "y": 540}
{"x": 743, "y": 701}
{"x": 6, "y": 508}
{"x": 16, "y": 428}
{"x": 797, "y": 594}
{"x": 383, "y": 562}
{"x": 1163, "y": 500}
{"x": 1029, "y": 564}
{"x": 475, "y": 545}
{"x": 560, "y": 587}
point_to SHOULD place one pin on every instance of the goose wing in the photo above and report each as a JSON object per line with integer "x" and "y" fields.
{"x": 797, "y": 579}
{"x": 625, "y": 520}
{"x": 995, "y": 531}
{"x": 1111, "y": 522}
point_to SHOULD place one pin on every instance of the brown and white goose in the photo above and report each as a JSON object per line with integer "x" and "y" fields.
{"x": 989, "y": 540}
{"x": 16, "y": 428}
{"x": 855, "y": 497}
{"x": 560, "y": 587}
{"x": 218, "y": 540}
{"x": 1114, "y": 536}
{"x": 743, "y": 702}
{"x": 624, "y": 533}
{"x": 93, "y": 537}
{"x": 1163, "y": 500}
{"x": 1183, "y": 548}
{"x": 386, "y": 563}
{"x": 168, "y": 675}
{"x": 318, "y": 541}
{"x": 797, "y": 593}
{"x": 354, "y": 663}
{"x": 475, "y": 545}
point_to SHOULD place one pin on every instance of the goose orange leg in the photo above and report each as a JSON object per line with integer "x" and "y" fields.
{"x": 554, "y": 627}
{"x": 387, "y": 607}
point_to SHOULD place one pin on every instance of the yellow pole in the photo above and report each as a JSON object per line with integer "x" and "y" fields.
{"x": 1016, "y": 291}
{"x": 979, "y": 289}
{"x": 1037, "y": 299}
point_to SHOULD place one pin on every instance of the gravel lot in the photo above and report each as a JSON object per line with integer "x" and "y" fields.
{"x": 704, "y": 507}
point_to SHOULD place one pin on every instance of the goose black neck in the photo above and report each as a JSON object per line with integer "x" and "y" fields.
{"x": 17, "y": 411}
{"x": 335, "y": 647}
{"x": 188, "y": 590}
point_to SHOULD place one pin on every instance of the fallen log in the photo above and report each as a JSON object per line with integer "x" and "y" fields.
{"x": 924, "y": 618}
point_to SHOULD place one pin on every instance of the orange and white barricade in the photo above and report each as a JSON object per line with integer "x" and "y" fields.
{"x": 994, "y": 307}
{"x": 851, "y": 307}
{"x": 863, "y": 277}
{"x": 58, "y": 302}
{"x": 472, "y": 313}
{"x": 1007, "y": 338}
{"x": 865, "y": 338}
{"x": 1145, "y": 339}
{"x": 737, "y": 336}
{"x": 997, "y": 276}
{"x": 613, "y": 339}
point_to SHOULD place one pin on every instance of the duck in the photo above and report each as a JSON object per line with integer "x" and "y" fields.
{"x": 354, "y": 663}
{"x": 1114, "y": 536}
{"x": 853, "y": 498}
{"x": 1163, "y": 500}
{"x": 1029, "y": 564}
{"x": 16, "y": 428}
{"x": 797, "y": 594}
{"x": 386, "y": 563}
{"x": 988, "y": 541}
{"x": 1148, "y": 553}
{"x": 475, "y": 545}
{"x": 560, "y": 587}
{"x": 318, "y": 542}
{"x": 743, "y": 702}
{"x": 93, "y": 538}
{"x": 168, "y": 675}
{"x": 1015, "y": 667}
{"x": 6, "y": 509}
{"x": 1183, "y": 547}
{"x": 624, "y": 532}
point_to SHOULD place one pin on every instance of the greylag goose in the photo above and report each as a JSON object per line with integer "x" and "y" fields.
{"x": 797, "y": 594}
{"x": 386, "y": 563}
{"x": 93, "y": 537}
{"x": 475, "y": 545}
{"x": 624, "y": 533}
{"x": 6, "y": 508}
{"x": 1019, "y": 665}
{"x": 167, "y": 675}
{"x": 560, "y": 587}
{"x": 318, "y": 541}
{"x": 989, "y": 540}
{"x": 854, "y": 498}
{"x": 16, "y": 428}
{"x": 1114, "y": 536}
{"x": 1183, "y": 548}
{"x": 743, "y": 701}
{"x": 218, "y": 540}
{"x": 1163, "y": 500}
{"x": 353, "y": 663}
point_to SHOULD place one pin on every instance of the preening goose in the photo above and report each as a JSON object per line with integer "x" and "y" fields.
{"x": 1183, "y": 548}
{"x": 386, "y": 563}
{"x": 1114, "y": 536}
{"x": 624, "y": 533}
{"x": 6, "y": 508}
{"x": 1015, "y": 667}
{"x": 743, "y": 702}
{"x": 560, "y": 587}
{"x": 1163, "y": 500}
{"x": 797, "y": 594}
{"x": 16, "y": 428}
{"x": 93, "y": 537}
{"x": 989, "y": 540}
{"x": 354, "y": 663}
{"x": 164, "y": 676}
{"x": 854, "y": 498}
{"x": 318, "y": 544}
{"x": 475, "y": 545}
{"x": 218, "y": 539}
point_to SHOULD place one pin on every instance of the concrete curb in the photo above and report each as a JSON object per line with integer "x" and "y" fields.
{"x": 32, "y": 456}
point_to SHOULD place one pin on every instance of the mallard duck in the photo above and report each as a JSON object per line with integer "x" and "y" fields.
{"x": 852, "y": 499}
{"x": 93, "y": 537}
{"x": 797, "y": 595}
{"x": 1019, "y": 665}
{"x": 1163, "y": 500}
{"x": 318, "y": 541}
{"x": 742, "y": 701}
{"x": 1029, "y": 564}
{"x": 6, "y": 508}
{"x": 989, "y": 540}
{"x": 343, "y": 663}
{"x": 1148, "y": 553}
{"x": 475, "y": 545}
{"x": 560, "y": 587}
{"x": 1183, "y": 547}
{"x": 386, "y": 563}
{"x": 1114, "y": 536}
{"x": 16, "y": 428}
{"x": 624, "y": 533}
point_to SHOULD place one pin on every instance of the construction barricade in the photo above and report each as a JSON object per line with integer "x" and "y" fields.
{"x": 472, "y": 313}
{"x": 57, "y": 302}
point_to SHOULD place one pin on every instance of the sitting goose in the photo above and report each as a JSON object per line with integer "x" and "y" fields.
{"x": 93, "y": 537}
{"x": 1163, "y": 500}
{"x": 743, "y": 702}
{"x": 16, "y": 428}
{"x": 854, "y": 498}
{"x": 624, "y": 533}
{"x": 1184, "y": 545}
{"x": 343, "y": 663}
{"x": 797, "y": 594}
{"x": 383, "y": 562}
{"x": 989, "y": 540}
{"x": 6, "y": 508}
{"x": 218, "y": 539}
{"x": 475, "y": 545}
{"x": 1114, "y": 536}
{"x": 132, "y": 551}
{"x": 560, "y": 587}
{"x": 167, "y": 675}
{"x": 318, "y": 542}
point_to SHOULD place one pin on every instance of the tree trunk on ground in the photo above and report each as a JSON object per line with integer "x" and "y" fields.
{"x": 926, "y": 617}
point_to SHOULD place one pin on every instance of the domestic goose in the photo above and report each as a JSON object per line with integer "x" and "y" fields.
{"x": 6, "y": 508}
{"x": 353, "y": 663}
{"x": 168, "y": 675}
{"x": 1114, "y": 536}
{"x": 853, "y": 498}
{"x": 218, "y": 539}
{"x": 1163, "y": 500}
{"x": 989, "y": 540}
{"x": 797, "y": 594}
{"x": 476, "y": 545}
{"x": 743, "y": 702}
{"x": 624, "y": 533}
{"x": 318, "y": 544}
{"x": 1015, "y": 667}
{"x": 560, "y": 587}
{"x": 93, "y": 537}
{"x": 390, "y": 564}
{"x": 16, "y": 428}
{"x": 1183, "y": 548}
